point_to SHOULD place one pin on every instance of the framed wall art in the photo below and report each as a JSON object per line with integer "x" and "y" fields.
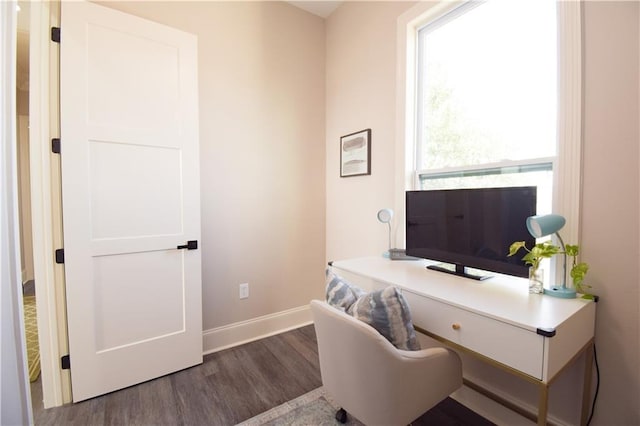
{"x": 355, "y": 154}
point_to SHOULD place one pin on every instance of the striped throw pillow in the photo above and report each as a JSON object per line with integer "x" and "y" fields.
{"x": 387, "y": 311}
{"x": 340, "y": 293}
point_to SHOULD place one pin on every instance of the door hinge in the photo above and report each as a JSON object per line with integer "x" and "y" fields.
{"x": 60, "y": 256}
{"x": 55, "y": 145}
{"x": 55, "y": 34}
{"x": 65, "y": 362}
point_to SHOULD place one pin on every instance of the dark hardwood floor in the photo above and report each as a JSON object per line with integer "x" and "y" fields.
{"x": 229, "y": 387}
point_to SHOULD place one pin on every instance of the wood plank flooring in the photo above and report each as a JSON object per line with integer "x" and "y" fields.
{"x": 229, "y": 387}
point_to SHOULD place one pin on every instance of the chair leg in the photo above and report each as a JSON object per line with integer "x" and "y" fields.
{"x": 341, "y": 416}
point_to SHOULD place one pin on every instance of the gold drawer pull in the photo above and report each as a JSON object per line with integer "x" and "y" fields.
{"x": 455, "y": 326}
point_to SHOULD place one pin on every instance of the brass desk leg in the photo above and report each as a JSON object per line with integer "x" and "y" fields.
{"x": 586, "y": 384}
{"x": 543, "y": 404}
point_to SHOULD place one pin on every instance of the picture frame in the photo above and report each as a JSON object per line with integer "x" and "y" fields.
{"x": 355, "y": 154}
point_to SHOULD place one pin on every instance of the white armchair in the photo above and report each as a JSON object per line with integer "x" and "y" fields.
{"x": 371, "y": 379}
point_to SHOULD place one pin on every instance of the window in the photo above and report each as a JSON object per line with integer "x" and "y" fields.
{"x": 487, "y": 98}
{"x": 538, "y": 139}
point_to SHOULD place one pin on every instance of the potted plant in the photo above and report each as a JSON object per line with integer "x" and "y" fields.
{"x": 533, "y": 258}
{"x": 546, "y": 249}
{"x": 578, "y": 271}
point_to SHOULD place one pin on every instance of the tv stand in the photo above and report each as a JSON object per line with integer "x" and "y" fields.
{"x": 531, "y": 336}
{"x": 459, "y": 270}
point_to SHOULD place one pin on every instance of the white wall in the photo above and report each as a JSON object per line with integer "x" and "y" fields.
{"x": 610, "y": 208}
{"x": 14, "y": 396}
{"x": 261, "y": 94}
{"x": 361, "y": 80}
{"x": 22, "y": 107}
{"x": 361, "y": 93}
{"x": 26, "y": 241}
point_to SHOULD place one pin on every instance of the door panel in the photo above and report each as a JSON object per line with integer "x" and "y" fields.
{"x": 121, "y": 175}
{"x": 130, "y": 173}
{"x": 124, "y": 85}
{"x": 154, "y": 276}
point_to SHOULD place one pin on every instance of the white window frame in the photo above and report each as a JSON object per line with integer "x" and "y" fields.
{"x": 568, "y": 160}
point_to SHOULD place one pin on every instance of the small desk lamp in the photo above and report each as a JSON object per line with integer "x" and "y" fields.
{"x": 385, "y": 216}
{"x": 541, "y": 226}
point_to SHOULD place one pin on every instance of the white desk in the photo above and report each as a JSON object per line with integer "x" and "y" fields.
{"x": 530, "y": 335}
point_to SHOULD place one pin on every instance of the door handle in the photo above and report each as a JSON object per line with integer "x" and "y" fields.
{"x": 191, "y": 245}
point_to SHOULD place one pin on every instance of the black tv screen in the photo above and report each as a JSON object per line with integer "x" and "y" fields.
{"x": 470, "y": 228}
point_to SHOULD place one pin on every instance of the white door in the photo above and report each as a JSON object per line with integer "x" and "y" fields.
{"x": 130, "y": 183}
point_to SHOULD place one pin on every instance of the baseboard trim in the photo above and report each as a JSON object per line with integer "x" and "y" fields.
{"x": 228, "y": 336}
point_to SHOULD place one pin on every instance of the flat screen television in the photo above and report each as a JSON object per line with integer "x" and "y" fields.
{"x": 470, "y": 228}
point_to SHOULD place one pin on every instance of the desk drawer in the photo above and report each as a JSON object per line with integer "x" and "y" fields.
{"x": 510, "y": 345}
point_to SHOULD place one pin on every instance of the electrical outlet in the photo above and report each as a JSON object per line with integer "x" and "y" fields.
{"x": 244, "y": 290}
